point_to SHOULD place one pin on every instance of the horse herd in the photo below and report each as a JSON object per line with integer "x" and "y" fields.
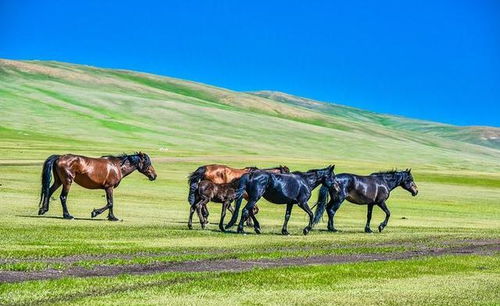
{"x": 223, "y": 184}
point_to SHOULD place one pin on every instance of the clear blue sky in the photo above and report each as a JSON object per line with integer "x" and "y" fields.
{"x": 437, "y": 60}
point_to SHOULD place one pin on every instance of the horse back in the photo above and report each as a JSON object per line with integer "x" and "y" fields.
{"x": 89, "y": 172}
{"x": 360, "y": 189}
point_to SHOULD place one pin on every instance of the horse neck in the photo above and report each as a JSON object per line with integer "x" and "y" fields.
{"x": 393, "y": 180}
{"x": 127, "y": 168}
{"x": 312, "y": 179}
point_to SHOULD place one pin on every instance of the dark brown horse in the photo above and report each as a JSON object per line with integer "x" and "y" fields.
{"x": 221, "y": 174}
{"x": 219, "y": 193}
{"x": 92, "y": 173}
{"x": 370, "y": 190}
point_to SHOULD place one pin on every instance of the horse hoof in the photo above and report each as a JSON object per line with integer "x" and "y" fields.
{"x": 113, "y": 219}
{"x": 222, "y": 229}
{"x": 240, "y": 231}
{"x": 367, "y": 230}
{"x": 286, "y": 233}
{"x": 380, "y": 228}
{"x": 306, "y": 231}
{"x": 68, "y": 217}
{"x": 257, "y": 230}
{"x": 42, "y": 211}
{"x": 333, "y": 230}
{"x": 94, "y": 213}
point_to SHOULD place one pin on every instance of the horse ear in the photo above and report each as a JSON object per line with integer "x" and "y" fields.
{"x": 409, "y": 170}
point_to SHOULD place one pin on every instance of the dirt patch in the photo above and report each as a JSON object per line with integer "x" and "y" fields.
{"x": 89, "y": 257}
{"x": 235, "y": 265}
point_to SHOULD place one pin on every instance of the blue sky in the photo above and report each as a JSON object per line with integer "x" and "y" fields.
{"x": 436, "y": 60}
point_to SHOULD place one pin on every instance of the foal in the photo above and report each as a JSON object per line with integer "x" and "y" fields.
{"x": 219, "y": 193}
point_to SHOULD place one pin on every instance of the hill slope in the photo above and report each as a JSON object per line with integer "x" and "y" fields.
{"x": 54, "y": 106}
{"x": 482, "y": 135}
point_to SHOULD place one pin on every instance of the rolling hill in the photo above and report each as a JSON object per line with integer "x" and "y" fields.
{"x": 88, "y": 109}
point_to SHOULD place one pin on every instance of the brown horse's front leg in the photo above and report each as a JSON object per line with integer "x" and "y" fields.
{"x": 109, "y": 199}
{"x": 109, "y": 205}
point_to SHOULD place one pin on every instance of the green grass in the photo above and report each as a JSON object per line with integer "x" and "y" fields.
{"x": 50, "y": 107}
{"x": 459, "y": 280}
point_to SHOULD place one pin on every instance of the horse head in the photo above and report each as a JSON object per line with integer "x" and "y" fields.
{"x": 145, "y": 166}
{"x": 407, "y": 182}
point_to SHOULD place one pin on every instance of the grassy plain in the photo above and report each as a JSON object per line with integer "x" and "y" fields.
{"x": 49, "y": 107}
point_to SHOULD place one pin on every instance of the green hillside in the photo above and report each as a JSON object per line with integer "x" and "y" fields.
{"x": 79, "y": 107}
{"x": 482, "y": 135}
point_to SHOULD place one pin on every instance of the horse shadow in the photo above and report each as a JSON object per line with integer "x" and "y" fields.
{"x": 61, "y": 218}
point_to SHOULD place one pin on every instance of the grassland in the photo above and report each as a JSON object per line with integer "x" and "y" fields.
{"x": 50, "y": 107}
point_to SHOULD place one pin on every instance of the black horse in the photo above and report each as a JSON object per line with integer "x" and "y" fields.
{"x": 369, "y": 190}
{"x": 289, "y": 189}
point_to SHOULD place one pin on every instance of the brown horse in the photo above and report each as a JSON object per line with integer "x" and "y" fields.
{"x": 92, "y": 173}
{"x": 222, "y": 174}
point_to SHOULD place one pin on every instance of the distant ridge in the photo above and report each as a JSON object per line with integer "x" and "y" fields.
{"x": 481, "y": 135}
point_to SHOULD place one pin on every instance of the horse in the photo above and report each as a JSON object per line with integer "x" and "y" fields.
{"x": 219, "y": 193}
{"x": 105, "y": 173}
{"x": 221, "y": 174}
{"x": 370, "y": 190}
{"x": 289, "y": 189}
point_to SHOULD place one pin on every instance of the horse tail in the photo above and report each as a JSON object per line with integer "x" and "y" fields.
{"x": 321, "y": 204}
{"x": 193, "y": 180}
{"x": 46, "y": 178}
{"x": 244, "y": 179}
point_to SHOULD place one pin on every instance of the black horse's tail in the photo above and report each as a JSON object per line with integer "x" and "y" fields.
{"x": 193, "y": 180}
{"x": 239, "y": 198}
{"x": 46, "y": 178}
{"x": 321, "y": 204}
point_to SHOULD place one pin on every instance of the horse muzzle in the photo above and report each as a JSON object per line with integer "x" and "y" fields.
{"x": 152, "y": 177}
{"x": 414, "y": 192}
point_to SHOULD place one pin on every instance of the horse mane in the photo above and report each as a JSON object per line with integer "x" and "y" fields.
{"x": 124, "y": 157}
{"x": 393, "y": 171}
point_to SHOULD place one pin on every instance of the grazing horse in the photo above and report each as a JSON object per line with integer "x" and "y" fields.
{"x": 370, "y": 190}
{"x": 219, "y": 193}
{"x": 221, "y": 174}
{"x": 289, "y": 189}
{"x": 91, "y": 173}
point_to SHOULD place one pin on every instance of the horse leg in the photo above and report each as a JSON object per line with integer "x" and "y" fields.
{"x": 331, "y": 209}
{"x": 205, "y": 212}
{"x": 308, "y": 210}
{"x": 199, "y": 210}
{"x": 231, "y": 209}
{"x": 53, "y": 188}
{"x": 387, "y": 215}
{"x": 109, "y": 205}
{"x": 245, "y": 214}
{"x": 256, "y": 224}
{"x": 284, "y": 229}
{"x": 192, "y": 208}
{"x": 63, "y": 197}
{"x": 225, "y": 206}
{"x": 109, "y": 199}
{"x": 368, "y": 219}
